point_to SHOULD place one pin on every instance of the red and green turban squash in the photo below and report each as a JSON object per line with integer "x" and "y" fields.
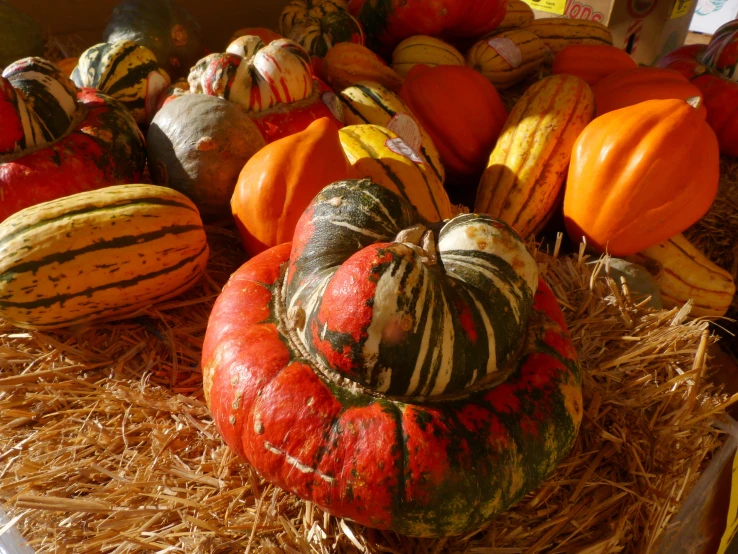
{"x": 409, "y": 376}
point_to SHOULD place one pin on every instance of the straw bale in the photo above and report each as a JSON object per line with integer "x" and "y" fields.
{"x": 106, "y": 444}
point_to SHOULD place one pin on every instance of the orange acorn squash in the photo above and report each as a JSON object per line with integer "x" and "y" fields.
{"x": 461, "y": 111}
{"x": 591, "y": 62}
{"x": 632, "y": 86}
{"x": 640, "y": 175}
{"x": 278, "y": 182}
{"x": 348, "y": 63}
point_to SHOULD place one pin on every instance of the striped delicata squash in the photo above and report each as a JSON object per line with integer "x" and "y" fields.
{"x": 367, "y": 102}
{"x": 384, "y": 157}
{"x": 422, "y": 49}
{"x": 508, "y": 57}
{"x": 97, "y": 255}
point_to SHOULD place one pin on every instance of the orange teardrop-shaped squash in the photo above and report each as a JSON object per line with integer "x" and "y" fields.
{"x": 461, "y": 111}
{"x": 640, "y": 175}
{"x": 280, "y": 180}
{"x": 632, "y": 86}
{"x": 591, "y": 62}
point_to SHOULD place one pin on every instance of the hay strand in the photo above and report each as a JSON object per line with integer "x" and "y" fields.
{"x": 106, "y": 444}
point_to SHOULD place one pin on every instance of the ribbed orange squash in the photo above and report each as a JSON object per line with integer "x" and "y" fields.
{"x": 632, "y": 86}
{"x": 591, "y": 62}
{"x": 280, "y": 180}
{"x": 460, "y": 110}
{"x": 640, "y": 175}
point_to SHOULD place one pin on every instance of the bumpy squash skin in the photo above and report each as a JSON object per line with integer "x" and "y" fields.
{"x": 526, "y": 170}
{"x": 162, "y": 26}
{"x": 592, "y": 62}
{"x": 427, "y": 469}
{"x": 98, "y": 254}
{"x": 631, "y": 86}
{"x": 280, "y": 180}
{"x": 460, "y": 110}
{"x": 105, "y": 148}
{"x": 21, "y": 35}
{"x": 387, "y": 22}
{"x": 198, "y": 144}
{"x": 672, "y": 160}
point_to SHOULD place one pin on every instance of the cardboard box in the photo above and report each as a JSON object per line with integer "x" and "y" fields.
{"x": 711, "y": 14}
{"x": 646, "y": 29}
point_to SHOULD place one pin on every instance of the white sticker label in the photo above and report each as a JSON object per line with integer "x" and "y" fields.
{"x": 399, "y": 146}
{"x": 507, "y": 50}
{"x": 407, "y": 129}
{"x": 334, "y": 105}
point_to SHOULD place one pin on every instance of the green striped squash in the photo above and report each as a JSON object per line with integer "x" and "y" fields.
{"x": 425, "y": 50}
{"x": 97, "y": 255}
{"x": 125, "y": 71}
{"x": 43, "y": 97}
{"x": 508, "y": 57}
{"x": 368, "y": 102}
{"x": 438, "y": 308}
{"x": 319, "y": 24}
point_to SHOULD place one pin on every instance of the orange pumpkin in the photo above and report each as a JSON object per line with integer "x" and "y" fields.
{"x": 640, "y": 175}
{"x": 280, "y": 180}
{"x": 266, "y": 35}
{"x": 631, "y": 86}
{"x": 461, "y": 111}
{"x": 591, "y": 62}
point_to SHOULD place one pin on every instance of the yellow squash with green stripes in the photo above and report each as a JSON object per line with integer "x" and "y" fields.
{"x": 125, "y": 71}
{"x": 367, "y": 102}
{"x": 684, "y": 273}
{"x": 422, "y": 49}
{"x": 559, "y": 32}
{"x": 525, "y": 172}
{"x": 98, "y": 255}
{"x": 508, "y": 57}
{"x": 382, "y": 156}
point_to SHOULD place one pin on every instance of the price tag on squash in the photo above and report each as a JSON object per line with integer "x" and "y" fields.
{"x": 407, "y": 129}
{"x": 550, "y": 6}
{"x": 399, "y": 146}
{"x": 507, "y": 50}
{"x": 334, "y": 105}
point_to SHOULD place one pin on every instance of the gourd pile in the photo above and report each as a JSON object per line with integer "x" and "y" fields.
{"x": 389, "y": 351}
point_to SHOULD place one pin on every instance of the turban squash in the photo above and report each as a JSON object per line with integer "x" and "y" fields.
{"x": 721, "y": 53}
{"x": 406, "y": 377}
{"x": 58, "y": 140}
{"x": 273, "y": 84}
